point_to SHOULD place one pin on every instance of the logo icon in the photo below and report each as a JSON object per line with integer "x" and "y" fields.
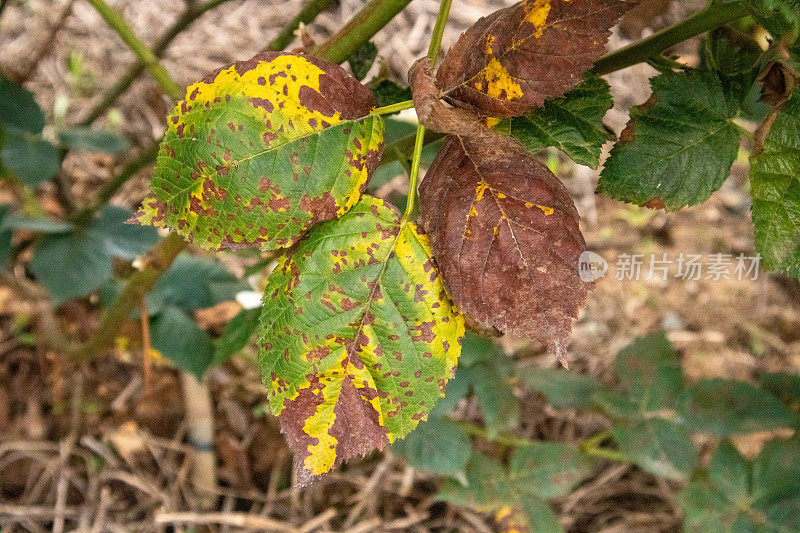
{"x": 591, "y": 266}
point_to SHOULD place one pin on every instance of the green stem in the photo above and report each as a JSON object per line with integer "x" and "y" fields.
{"x": 433, "y": 54}
{"x": 364, "y": 24}
{"x": 144, "y": 54}
{"x": 505, "y": 440}
{"x": 192, "y": 13}
{"x": 713, "y": 16}
{"x": 306, "y": 15}
{"x": 393, "y": 108}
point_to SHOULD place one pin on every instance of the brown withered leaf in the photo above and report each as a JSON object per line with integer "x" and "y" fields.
{"x": 509, "y": 62}
{"x": 505, "y": 234}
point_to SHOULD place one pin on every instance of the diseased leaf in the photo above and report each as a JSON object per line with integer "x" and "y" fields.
{"x": 509, "y": 243}
{"x": 678, "y": 147}
{"x": 261, "y": 150}
{"x": 775, "y": 188}
{"x": 509, "y": 62}
{"x": 358, "y": 337}
{"x": 572, "y": 123}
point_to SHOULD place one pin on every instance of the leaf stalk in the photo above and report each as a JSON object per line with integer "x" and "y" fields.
{"x": 419, "y": 141}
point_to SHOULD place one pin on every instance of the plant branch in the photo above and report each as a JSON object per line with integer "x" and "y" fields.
{"x": 184, "y": 20}
{"x": 433, "y": 54}
{"x": 393, "y": 108}
{"x": 306, "y": 15}
{"x": 364, "y": 24}
{"x": 144, "y": 54}
{"x": 713, "y": 16}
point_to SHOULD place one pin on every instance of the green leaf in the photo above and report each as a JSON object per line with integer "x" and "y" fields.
{"x": 70, "y": 265}
{"x": 197, "y": 283}
{"x": 18, "y": 108}
{"x": 727, "y": 407}
{"x": 176, "y": 335}
{"x": 388, "y": 93}
{"x": 362, "y": 58}
{"x": 776, "y": 472}
{"x": 562, "y": 388}
{"x": 260, "y": 151}
{"x": 547, "y": 469}
{"x": 741, "y": 498}
{"x": 734, "y": 58}
{"x": 487, "y": 486}
{"x": 775, "y": 188}
{"x": 476, "y": 349}
{"x": 650, "y": 370}
{"x": 656, "y": 445}
{"x": 236, "y": 335}
{"x": 120, "y": 238}
{"x": 782, "y": 385}
{"x": 89, "y": 140}
{"x": 356, "y": 324}
{"x": 572, "y": 123}
{"x": 44, "y": 225}
{"x": 495, "y": 397}
{"x": 730, "y": 472}
{"x": 28, "y": 157}
{"x": 5, "y": 237}
{"x": 678, "y": 147}
{"x": 707, "y": 510}
{"x": 437, "y": 446}
{"x": 541, "y": 517}
{"x": 776, "y": 16}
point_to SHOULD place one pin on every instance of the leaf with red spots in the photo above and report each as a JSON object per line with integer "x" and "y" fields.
{"x": 260, "y": 151}
{"x": 505, "y": 234}
{"x": 509, "y": 62}
{"x": 358, "y": 337}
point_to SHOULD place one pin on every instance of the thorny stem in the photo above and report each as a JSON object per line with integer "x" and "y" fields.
{"x": 364, "y": 24}
{"x": 419, "y": 141}
{"x": 144, "y": 54}
{"x": 713, "y": 16}
{"x": 192, "y": 13}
